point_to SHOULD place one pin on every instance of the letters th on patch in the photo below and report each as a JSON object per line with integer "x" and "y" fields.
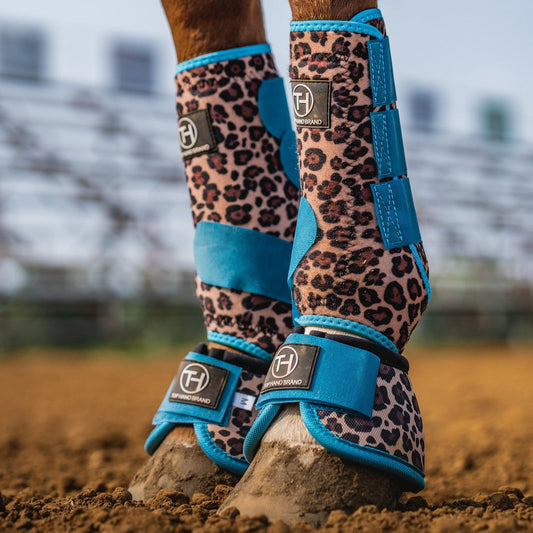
{"x": 311, "y": 103}
{"x": 199, "y": 384}
{"x": 196, "y": 134}
{"x": 292, "y": 368}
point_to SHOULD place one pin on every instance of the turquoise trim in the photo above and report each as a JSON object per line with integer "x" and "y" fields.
{"x": 352, "y": 390}
{"x": 273, "y": 107}
{"x": 396, "y": 214}
{"x": 410, "y": 476}
{"x": 388, "y": 143}
{"x": 242, "y": 259}
{"x": 258, "y": 429}
{"x": 218, "y": 456}
{"x": 347, "y": 325}
{"x": 157, "y": 436}
{"x": 242, "y": 345}
{"x": 335, "y": 25}
{"x": 223, "y": 55}
{"x": 422, "y": 270}
{"x": 381, "y": 73}
{"x": 180, "y": 413}
{"x": 304, "y": 238}
{"x": 367, "y": 15}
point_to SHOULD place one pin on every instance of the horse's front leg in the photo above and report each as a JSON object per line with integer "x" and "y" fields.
{"x": 202, "y": 27}
{"x": 240, "y": 163}
{"x": 339, "y": 425}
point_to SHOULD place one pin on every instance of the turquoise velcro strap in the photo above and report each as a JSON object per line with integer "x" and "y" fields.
{"x": 322, "y": 372}
{"x": 396, "y": 214}
{"x": 242, "y": 259}
{"x": 388, "y": 143}
{"x": 203, "y": 390}
{"x": 381, "y": 73}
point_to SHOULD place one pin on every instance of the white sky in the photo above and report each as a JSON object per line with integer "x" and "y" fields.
{"x": 467, "y": 50}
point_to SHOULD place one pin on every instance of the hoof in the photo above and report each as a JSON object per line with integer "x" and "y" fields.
{"x": 179, "y": 464}
{"x": 293, "y": 478}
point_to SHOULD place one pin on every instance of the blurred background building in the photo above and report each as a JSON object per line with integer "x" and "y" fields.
{"x": 95, "y": 228}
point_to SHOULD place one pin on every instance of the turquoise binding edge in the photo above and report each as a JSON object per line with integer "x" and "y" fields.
{"x": 348, "y": 325}
{"x": 260, "y": 425}
{"x": 223, "y": 55}
{"x": 422, "y": 270}
{"x": 218, "y": 456}
{"x": 156, "y": 437}
{"x": 335, "y": 25}
{"x": 235, "y": 342}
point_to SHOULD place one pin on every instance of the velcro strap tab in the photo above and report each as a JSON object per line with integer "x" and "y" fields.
{"x": 396, "y": 214}
{"x": 388, "y": 143}
{"x": 323, "y": 372}
{"x": 381, "y": 73}
{"x": 203, "y": 390}
{"x": 242, "y": 259}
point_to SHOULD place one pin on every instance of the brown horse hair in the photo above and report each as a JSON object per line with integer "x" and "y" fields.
{"x": 204, "y": 26}
{"x": 328, "y": 9}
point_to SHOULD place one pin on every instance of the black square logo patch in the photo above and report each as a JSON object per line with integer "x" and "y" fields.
{"x": 196, "y": 134}
{"x": 199, "y": 384}
{"x": 292, "y": 367}
{"x": 311, "y": 102}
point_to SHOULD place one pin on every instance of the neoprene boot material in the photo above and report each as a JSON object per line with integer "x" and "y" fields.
{"x": 358, "y": 269}
{"x": 240, "y": 161}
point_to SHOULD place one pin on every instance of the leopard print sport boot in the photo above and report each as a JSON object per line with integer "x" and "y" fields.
{"x": 339, "y": 424}
{"x": 239, "y": 153}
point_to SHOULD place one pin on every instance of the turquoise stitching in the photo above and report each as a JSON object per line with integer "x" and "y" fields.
{"x": 335, "y": 25}
{"x": 391, "y": 463}
{"x": 421, "y": 269}
{"x": 220, "y": 457}
{"x": 240, "y": 344}
{"x": 377, "y": 78}
{"x": 381, "y": 131}
{"x": 223, "y": 55}
{"x": 347, "y": 325}
{"x": 386, "y": 225}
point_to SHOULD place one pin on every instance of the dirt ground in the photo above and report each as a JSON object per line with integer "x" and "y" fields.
{"x": 72, "y": 430}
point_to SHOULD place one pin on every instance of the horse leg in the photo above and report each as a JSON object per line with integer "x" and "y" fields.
{"x": 205, "y": 26}
{"x": 241, "y": 169}
{"x": 349, "y": 430}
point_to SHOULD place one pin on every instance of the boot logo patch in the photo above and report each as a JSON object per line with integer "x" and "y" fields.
{"x": 311, "y": 101}
{"x": 196, "y": 134}
{"x": 198, "y": 384}
{"x": 292, "y": 368}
